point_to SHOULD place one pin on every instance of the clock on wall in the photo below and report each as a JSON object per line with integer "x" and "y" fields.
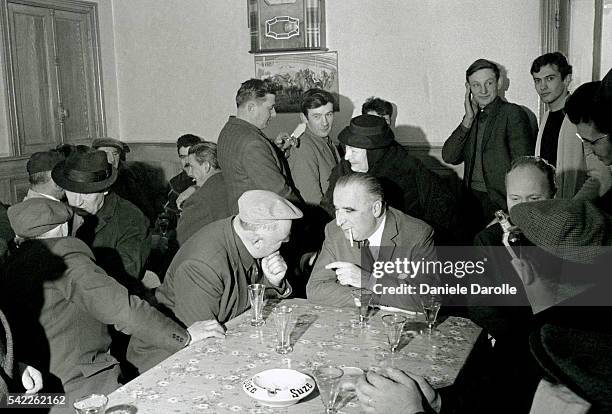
{"x": 283, "y": 25}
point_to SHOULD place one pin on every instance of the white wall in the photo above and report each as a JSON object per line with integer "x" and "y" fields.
{"x": 173, "y": 66}
{"x": 179, "y": 63}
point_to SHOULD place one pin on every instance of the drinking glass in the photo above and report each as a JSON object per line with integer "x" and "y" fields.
{"x": 282, "y": 318}
{"x": 92, "y": 404}
{"x": 394, "y": 325}
{"x": 362, "y": 299}
{"x": 328, "y": 380}
{"x": 431, "y": 305}
{"x": 256, "y": 297}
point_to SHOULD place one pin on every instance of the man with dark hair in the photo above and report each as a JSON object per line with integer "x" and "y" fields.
{"x": 492, "y": 133}
{"x": 39, "y": 168}
{"x": 378, "y": 107}
{"x": 365, "y": 221}
{"x": 556, "y": 141}
{"x": 209, "y": 202}
{"x": 182, "y": 181}
{"x": 581, "y": 107}
{"x": 312, "y": 161}
{"x": 248, "y": 159}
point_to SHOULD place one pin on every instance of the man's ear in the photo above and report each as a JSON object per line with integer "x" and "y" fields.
{"x": 377, "y": 208}
{"x": 567, "y": 80}
{"x": 251, "y": 105}
{"x": 303, "y": 118}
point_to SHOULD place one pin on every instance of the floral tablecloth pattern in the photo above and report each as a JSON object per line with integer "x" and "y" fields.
{"x": 207, "y": 377}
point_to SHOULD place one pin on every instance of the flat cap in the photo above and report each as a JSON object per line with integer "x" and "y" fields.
{"x": 261, "y": 206}
{"x": 110, "y": 142}
{"x": 367, "y": 132}
{"x": 35, "y": 216}
{"x": 43, "y": 161}
{"x": 573, "y": 230}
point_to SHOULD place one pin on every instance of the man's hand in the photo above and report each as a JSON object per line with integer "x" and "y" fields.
{"x": 379, "y": 394}
{"x": 31, "y": 378}
{"x": 347, "y": 273}
{"x": 205, "y": 329}
{"x": 274, "y": 268}
{"x": 471, "y": 107}
{"x": 185, "y": 195}
{"x": 427, "y": 391}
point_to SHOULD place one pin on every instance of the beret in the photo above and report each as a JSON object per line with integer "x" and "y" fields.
{"x": 35, "y": 216}
{"x": 261, "y": 206}
{"x": 367, "y": 132}
{"x": 110, "y": 142}
{"x": 573, "y": 230}
{"x": 43, "y": 161}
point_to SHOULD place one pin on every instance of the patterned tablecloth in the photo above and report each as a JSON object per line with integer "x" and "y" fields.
{"x": 207, "y": 377}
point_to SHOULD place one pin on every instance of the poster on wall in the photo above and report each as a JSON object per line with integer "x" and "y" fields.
{"x": 295, "y": 73}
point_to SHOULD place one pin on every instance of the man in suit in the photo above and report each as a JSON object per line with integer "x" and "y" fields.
{"x": 209, "y": 202}
{"x": 366, "y": 231}
{"x": 248, "y": 159}
{"x": 492, "y": 133}
{"x": 579, "y": 172}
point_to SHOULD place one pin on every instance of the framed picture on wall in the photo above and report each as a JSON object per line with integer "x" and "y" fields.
{"x": 295, "y": 73}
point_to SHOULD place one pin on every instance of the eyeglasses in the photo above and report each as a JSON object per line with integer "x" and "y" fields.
{"x": 591, "y": 141}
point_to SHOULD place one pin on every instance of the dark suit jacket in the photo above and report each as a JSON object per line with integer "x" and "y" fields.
{"x": 508, "y": 135}
{"x": 207, "y": 204}
{"x": 249, "y": 161}
{"x": 403, "y": 237}
{"x": 61, "y": 304}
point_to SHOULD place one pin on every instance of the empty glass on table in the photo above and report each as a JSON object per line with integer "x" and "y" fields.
{"x": 283, "y": 319}
{"x": 256, "y": 298}
{"x": 328, "y": 381}
{"x": 431, "y": 305}
{"x": 394, "y": 326}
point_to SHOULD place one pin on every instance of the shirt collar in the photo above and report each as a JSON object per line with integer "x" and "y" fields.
{"x": 376, "y": 237}
{"x": 36, "y": 194}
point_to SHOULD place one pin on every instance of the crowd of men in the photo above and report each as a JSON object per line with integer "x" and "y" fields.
{"x": 309, "y": 218}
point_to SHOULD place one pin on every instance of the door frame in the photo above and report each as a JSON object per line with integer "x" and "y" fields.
{"x": 91, "y": 9}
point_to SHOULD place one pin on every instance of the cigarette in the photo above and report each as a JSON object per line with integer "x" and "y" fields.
{"x": 351, "y": 236}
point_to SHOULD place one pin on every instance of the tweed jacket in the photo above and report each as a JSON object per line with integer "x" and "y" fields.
{"x": 311, "y": 164}
{"x": 249, "y": 161}
{"x": 508, "y": 135}
{"x": 61, "y": 328}
{"x": 208, "y": 279}
{"x": 403, "y": 237}
{"x": 580, "y": 173}
{"x": 207, "y": 204}
{"x": 119, "y": 237}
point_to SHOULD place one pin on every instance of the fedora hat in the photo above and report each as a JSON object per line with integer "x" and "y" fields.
{"x": 367, "y": 132}
{"x": 85, "y": 172}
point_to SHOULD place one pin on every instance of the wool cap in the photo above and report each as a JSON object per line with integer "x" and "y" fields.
{"x": 110, "y": 142}
{"x": 43, "y": 161}
{"x": 261, "y": 206}
{"x": 367, "y": 132}
{"x": 573, "y": 230}
{"x": 35, "y": 216}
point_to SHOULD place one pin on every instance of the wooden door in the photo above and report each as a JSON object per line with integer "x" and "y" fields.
{"x": 34, "y": 77}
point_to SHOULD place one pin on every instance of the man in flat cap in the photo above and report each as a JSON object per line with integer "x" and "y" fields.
{"x": 39, "y": 168}
{"x": 365, "y": 221}
{"x": 409, "y": 186}
{"x": 116, "y": 231}
{"x": 60, "y": 303}
{"x": 210, "y": 274}
{"x": 127, "y": 185}
{"x": 248, "y": 159}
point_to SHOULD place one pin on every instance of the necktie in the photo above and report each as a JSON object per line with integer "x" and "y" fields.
{"x": 253, "y": 272}
{"x": 367, "y": 259}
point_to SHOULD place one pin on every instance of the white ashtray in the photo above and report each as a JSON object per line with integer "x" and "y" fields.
{"x": 279, "y": 387}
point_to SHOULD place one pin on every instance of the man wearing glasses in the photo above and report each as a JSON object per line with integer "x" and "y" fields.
{"x": 580, "y": 107}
